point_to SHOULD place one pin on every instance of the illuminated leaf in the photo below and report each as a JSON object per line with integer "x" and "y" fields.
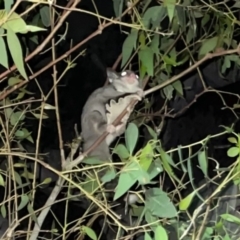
{"x": 131, "y": 137}
{"x": 13, "y": 81}
{"x": 3, "y": 55}
{"x": 185, "y": 203}
{"x": 233, "y": 151}
{"x": 128, "y": 46}
{"x": 160, "y": 233}
{"x": 24, "y": 202}
{"x": 16, "y": 51}
{"x": 14, "y": 22}
{"x": 89, "y": 232}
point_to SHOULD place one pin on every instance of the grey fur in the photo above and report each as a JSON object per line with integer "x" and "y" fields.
{"x": 94, "y": 120}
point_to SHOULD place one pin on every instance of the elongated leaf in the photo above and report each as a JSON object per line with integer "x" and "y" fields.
{"x": 45, "y": 16}
{"x": 7, "y": 5}
{"x": 3, "y": 55}
{"x": 30, "y": 28}
{"x": 32, "y": 213}
{"x": 203, "y": 162}
{"x": 155, "y": 45}
{"x": 170, "y": 4}
{"x": 146, "y": 58}
{"x": 185, "y": 203}
{"x": 2, "y": 182}
{"x": 118, "y": 6}
{"x": 24, "y": 202}
{"x": 146, "y": 157}
{"x": 15, "y": 22}
{"x": 131, "y": 137}
{"x": 3, "y": 211}
{"x": 208, "y": 46}
{"x": 127, "y": 179}
{"x": 128, "y": 45}
{"x": 16, "y": 51}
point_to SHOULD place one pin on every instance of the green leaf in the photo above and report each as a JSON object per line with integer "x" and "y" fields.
{"x": 146, "y": 58}
{"x": 16, "y": 117}
{"x": 170, "y": 4}
{"x": 203, "y": 162}
{"x": 3, "y": 211}
{"x": 160, "y": 233}
{"x": 127, "y": 179}
{"x": 152, "y": 132}
{"x": 46, "y": 181}
{"x": 128, "y": 46}
{"x": 226, "y": 64}
{"x": 236, "y": 4}
{"x": 45, "y": 16}
{"x": 24, "y": 202}
{"x": 30, "y": 139}
{"x": 147, "y": 236}
{"x": 155, "y": 168}
{"x": 230, "y": 218}
{"x": 39, "y": 116}
{"x": 30, "y": 28}
{"x": 8, "y": 111}
{"x": 19, "y": 134}
{"x": 181, "y": 159}
{"x": 181, "y": 17}
{"x": 13, "y": 81}
{"x": 185, "y": 203}
{"x": 89, "y": 232}
{"x": 167, "y": 162}
{"x": 205, "y": 20}
{"x": 121, "y": 151}
{"x": 177, "y": 85}
{"x": 18, "y": 179}
{"x": 7, "y": 5}
{"x": 32, "y": 213}
{"x": 2, "y": 182}
{"x": 154, "y": 15}
{"x": 14, "y": 22}
{"x": 16, "y": 51}
{"x": 131, "y": 137}
{"x": 159, "y": 204}
{"x": 92, "y": 161}
{"x": 233, "y": 152}
{"x": 190, "y": 34}
{"x": 207, "y": 46}
{"x": 109, "y": 175}
{"x": 27, "y": 134}
{"x": 232, "y": 140}
{"x": 90, "y": 185}
{"x": 3, "y": 51}
{"x": 118, "y": 6}
{"x": 155, "y": 44}
{"x": 151, "y": 220}
{"x": 146, "y": 157}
